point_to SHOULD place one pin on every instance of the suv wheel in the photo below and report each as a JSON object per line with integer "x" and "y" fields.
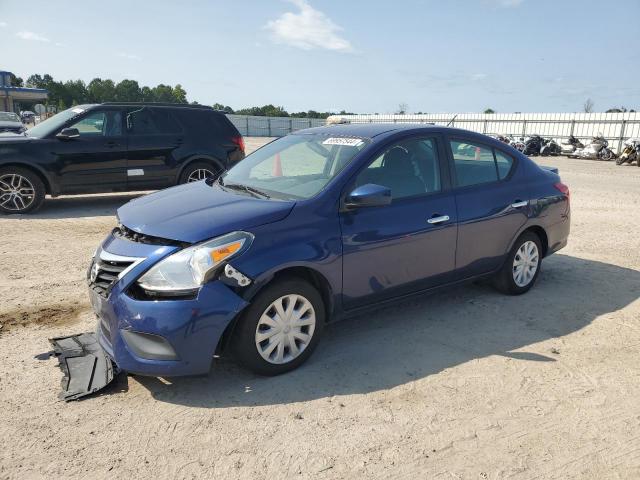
{"x": 199, "y": 171}
{"x": 280, "y": 328}
{"x": 21, "y": 190}
{"x": 522, "y": 266}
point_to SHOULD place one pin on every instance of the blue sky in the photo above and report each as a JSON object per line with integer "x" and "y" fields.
{"x": 362, "y": 56}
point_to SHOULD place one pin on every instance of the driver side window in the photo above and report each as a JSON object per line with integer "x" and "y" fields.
{"x": 100, "y": 124}
{"x": 409, "y": 168}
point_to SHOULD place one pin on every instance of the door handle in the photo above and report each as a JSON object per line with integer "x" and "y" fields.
{"x": 112, "y": 144}
{"x": 438, "y": 219}
{"x": 519, "y": 204}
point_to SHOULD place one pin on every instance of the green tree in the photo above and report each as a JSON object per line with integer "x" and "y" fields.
{"x": 128, "y": 91}
{"x": 99, "y": 91}
{"x": 489, "y": 110}
{"x": 179, "y": 94}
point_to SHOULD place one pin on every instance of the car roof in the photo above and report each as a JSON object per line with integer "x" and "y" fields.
{"x": 365, "y": 130}
{"x": 157, "y": 104}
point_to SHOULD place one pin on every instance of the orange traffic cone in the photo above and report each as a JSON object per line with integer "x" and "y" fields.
{"x": 276, "y": 171}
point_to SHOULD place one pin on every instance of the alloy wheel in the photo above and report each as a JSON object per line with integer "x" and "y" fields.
{"x": 16, "y": 192}
{"x": 525, "y": 263}
{"x": 200, "y": 174}
{"x": 285, "y": 329}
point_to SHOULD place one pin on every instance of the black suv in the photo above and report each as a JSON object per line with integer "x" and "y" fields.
{"x": 115, "y": 147}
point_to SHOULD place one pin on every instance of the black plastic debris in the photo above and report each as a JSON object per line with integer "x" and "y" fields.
{"x": 85, "y": 366}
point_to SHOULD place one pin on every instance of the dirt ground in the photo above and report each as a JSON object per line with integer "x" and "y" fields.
{"x": 467, "y": 384}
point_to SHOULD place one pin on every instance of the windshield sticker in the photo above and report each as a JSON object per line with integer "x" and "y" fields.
{"x": 348, "y": 142}
{"x": 77, "y": 110}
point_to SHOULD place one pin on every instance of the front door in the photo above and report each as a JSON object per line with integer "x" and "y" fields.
{"x": 410, "y": 244}
{"x": 155, "y": 138}
{"x": 97, "y": 159}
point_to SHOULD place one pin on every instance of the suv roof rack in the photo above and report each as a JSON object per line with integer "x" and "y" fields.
{"x": 159, "y": 104}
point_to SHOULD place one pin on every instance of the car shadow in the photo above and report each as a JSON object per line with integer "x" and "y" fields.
{"x": 417, "y": 338}
{"x": 101, "y": 205}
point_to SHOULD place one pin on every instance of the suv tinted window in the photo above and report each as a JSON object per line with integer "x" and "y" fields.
{"x": 140, "y": 122}
{"x": 475, "y": 164}
{"x": 408, "y": 168}
{"x": 165, "y": 121}
{"x": 152, "y": 121}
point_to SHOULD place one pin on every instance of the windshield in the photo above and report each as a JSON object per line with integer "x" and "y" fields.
{"x": 293, "y": 167}
{"x": 54, "y": 123}
{"x": 9, "y": 117}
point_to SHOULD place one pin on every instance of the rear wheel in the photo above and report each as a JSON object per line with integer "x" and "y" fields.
{"x": 521, "y": 269}
{"x": 199, "y": 171}
{"x": 280, "y": 328}
{"x": 21, "y": 190}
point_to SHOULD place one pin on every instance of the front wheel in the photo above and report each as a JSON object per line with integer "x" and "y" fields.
{"x": 280, "y": 328}
{"x": 606, "y": 154}
{"x": 21, "y": 190}
{"x": 521, "y": 269}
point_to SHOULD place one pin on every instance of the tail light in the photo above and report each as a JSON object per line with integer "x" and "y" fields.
{"x": 561, "y": 187}
{"x": 239, "y": 141}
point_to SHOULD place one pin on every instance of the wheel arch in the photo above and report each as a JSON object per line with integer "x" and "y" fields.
{"x": 216, "y": 162}
{"x": 539, "y": 231}
{"x": 34, "y": 169}
{"x": 311, "y": 275}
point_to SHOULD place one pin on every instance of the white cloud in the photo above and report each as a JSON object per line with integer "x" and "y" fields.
{"x": 308, "y": 29}
{"x": 58, "y": 44}
{"x": 479, "y": 76}
{"x": 3, "y": 24}
{"x": 24, "y": 35}
{"x": 129, "y": 56}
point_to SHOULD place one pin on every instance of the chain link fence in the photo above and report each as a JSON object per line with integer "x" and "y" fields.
{"x": 615, "y": 127}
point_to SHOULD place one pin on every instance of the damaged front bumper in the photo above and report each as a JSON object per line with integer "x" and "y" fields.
{"x": 84, "y": 364}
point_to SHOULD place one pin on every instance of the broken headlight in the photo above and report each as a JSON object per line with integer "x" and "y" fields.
{"x": 187, "y": 270}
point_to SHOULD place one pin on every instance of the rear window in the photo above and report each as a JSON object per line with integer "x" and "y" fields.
{"x": 207, "y": 121}
{"x": 476, "y": 163}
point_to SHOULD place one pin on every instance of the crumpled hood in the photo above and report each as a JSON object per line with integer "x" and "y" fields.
{"x": 195, "y": 212}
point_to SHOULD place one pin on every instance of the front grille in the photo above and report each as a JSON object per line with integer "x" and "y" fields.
{"x": 104, "y": 273}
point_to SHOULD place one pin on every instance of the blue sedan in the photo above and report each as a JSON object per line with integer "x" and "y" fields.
{"x": 312, "y": 227}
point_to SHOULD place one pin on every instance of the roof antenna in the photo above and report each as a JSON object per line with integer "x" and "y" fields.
{"x": 451, "y": 121}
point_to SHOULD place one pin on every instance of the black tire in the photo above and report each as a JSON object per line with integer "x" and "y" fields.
{"x": 504, "y": 279}
{"x": 621, "y": 161}
{"x": 243, "y": 340}
{"x": 13, "y": 205}
{"x": 195, "y": 167}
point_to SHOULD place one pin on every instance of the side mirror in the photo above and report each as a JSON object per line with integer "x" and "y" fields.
{"x": 68, "y": 133}
{"x": 369, "y": 195}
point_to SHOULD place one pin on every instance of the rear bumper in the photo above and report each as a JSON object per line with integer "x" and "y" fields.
{"x": 161, "y": 337}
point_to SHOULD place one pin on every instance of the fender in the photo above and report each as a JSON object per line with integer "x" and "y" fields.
{"x": 49, "y": 184}
{"x": 196, "y": 158}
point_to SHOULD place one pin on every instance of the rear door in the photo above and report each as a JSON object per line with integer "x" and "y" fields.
{"x": 155, "y": 138}
{"x": 96, "y": 160}
{"x": 492, "y": 202}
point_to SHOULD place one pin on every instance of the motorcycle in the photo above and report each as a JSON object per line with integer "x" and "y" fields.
{"x": 570, "y": 145}
{"x": 517, "y": 144}
{"x": 533, "y": 145}
{"x": 598, "y": 149}
{"x": 630, "y": 152}
{"x": 549, "y": 147}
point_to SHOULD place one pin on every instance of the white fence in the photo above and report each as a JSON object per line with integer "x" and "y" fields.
{"x": 254, "y": 126}
{"x": 616, "y": 127}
